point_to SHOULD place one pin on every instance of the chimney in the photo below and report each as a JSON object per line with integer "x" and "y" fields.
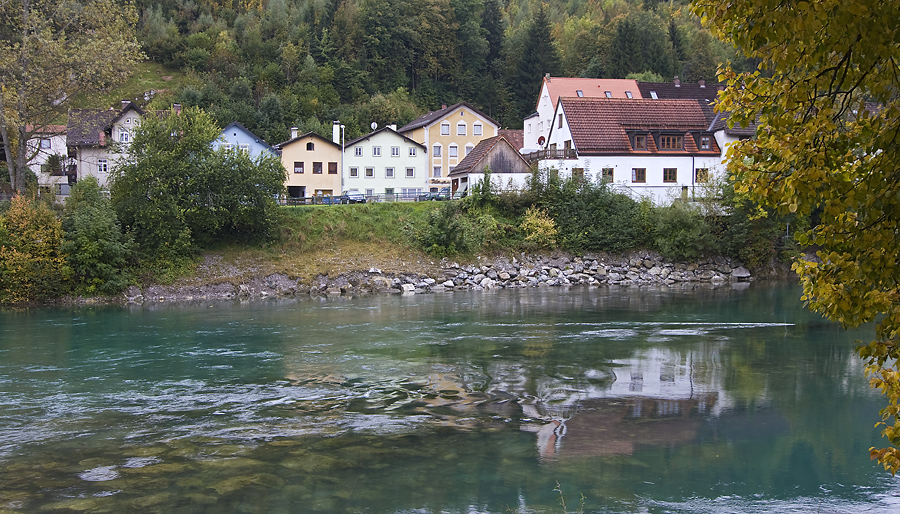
{"x": 336, "y": 132}
{"x": 294, "y": 132}
{"x": 125, "y": 104}
{"x": 102, "y": 138}
{"x": 702, "y": 83}
{"x": 677, "y": 81}
{"x": 176, "y": 108}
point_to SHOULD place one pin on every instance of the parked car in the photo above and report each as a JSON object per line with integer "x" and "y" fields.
{"x": 352, "y": 196}
{"x": 442, "y": 194}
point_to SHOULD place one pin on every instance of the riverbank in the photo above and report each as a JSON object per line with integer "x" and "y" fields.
{"x": 218, "y": 278}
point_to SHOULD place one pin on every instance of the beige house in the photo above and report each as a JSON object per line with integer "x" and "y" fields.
{"x": 448, "y": 135}
{"x": 313, "y": 165}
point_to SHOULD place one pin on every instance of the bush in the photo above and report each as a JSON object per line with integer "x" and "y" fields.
{"x": 444, "y": 232}
{"x": 96, "y": 250}
{"x": 540, "y": 229}
{"x": 31, "y": 265}
{"x": 681, "y": 233}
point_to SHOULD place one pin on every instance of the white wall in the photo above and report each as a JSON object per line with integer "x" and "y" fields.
{"x": 380, "y": 182}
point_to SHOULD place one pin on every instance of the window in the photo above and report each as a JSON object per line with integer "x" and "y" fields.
{"x": 436, "y": 152}
{"x": 461, "y": 128}
{"x": 332, "y": 168}
{"x": 560, "y": 121}
{"x": 370, "y": 172}
{"x": 411, "y": 192}
{"x": 445, "y": 128}
{"x": 454, "y": 151}
{"x": 317, "y": 168}
{"x": 298, "y": 167}
{"x": 670, "y": 175}
{"x": 640, "y": 142}
{"x": 45, "y": 144}
{"x": 670, "y": 142}
{"x": 410, "y": 172}
{"x": 579, "y": 92}
{"x": 469, "y": 148}
{"x": 436, "y": 172}
{"x": 639, "y": 175}
{"x": 607, "y": 175}
{"x": 704, "y": 143}
{"x": 376, "y": 151}
{"x": 395, "y": 151}
{"x": 477, "y": 129}
{"x": 412, "y": 151}
{"x": 653, "y": 95}
{"x": 701, "y": 175}
{"x": 124, "y": 136}
{"x": 357, "y": 152}
{"x": 102, "y": 166}
{"x": 228, "y": 147}
{"x": 389, "y": 193}
{"x": 608, "y": 94}
{"x": 354, "y": 172}
{"x": 578, "y": 173}
{"x": 370, "y": 193}
{"x": 310, "y": 146}
{"x": 389, "y": 172}
{"x": 244, "y": 148}
{"x": 628, "y": 94}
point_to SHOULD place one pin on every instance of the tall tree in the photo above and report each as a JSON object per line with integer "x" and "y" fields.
{"x": 828, "y": 110}
{"x": 539, "y": 56}
{"x": 50, "y": 52}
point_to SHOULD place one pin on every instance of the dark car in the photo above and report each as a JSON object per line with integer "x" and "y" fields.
{"x": 352, "y": 196}
{"x": 443, "y": 194}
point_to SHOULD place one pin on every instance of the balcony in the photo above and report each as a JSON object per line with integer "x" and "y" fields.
{"x": 550, "y": 155}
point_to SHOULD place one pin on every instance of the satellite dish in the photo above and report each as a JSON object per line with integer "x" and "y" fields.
{"x": 374, "y": 125}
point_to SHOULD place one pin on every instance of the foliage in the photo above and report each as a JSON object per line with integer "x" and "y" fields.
{"x": 96, "y": 250}
{"x": 539, "y": 228}
{"x": 444, "y": 232}
{"x": 681, "y": 232}
{"x": 31, "y": 265}
{"x": 51, "y": 51}
{"x": 175, "y": 194}
{"x": 828, "y": 114}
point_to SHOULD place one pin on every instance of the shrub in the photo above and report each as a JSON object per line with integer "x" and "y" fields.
{"x": 31, "y": 265}
{"x": 540, "y": 229}
{"x": 444, "y": 232}
{"x": 96, "y": 250}
{"x": 681, "y": 233}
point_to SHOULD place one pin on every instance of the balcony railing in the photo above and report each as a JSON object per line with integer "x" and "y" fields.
{"x": 551, "y": 155}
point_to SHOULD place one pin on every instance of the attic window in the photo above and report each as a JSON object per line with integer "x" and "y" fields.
{"x": 608, "y": 94}
{"x": 704, "y": 142}
{"x": 640, "y": 142}
{"x": 579, "y": 92}
{"x": 310, "y": 146}
{"x": 653, "y": 95}
{"x": 628, "y": 94}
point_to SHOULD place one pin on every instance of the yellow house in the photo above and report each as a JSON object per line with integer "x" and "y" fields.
{"x": 313, "y": 165}
{"x": 449, "y": 135}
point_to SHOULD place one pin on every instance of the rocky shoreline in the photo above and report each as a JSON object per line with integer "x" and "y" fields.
{"x": 638, "y": 268}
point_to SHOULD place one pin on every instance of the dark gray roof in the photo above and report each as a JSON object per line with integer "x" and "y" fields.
{"x": 382, "y": 129}
{"x": 281, "y": 145}
{"x": 720, "y": 122}
{"x": 245, "y": 129}
{"x": 85, "y": 125}
{"x": 431, "y": 117}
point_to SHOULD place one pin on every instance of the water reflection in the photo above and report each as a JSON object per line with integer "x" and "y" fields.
{"x": 660, "y": 400}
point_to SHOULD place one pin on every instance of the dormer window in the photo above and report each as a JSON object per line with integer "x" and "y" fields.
{"x": 580, "y": 93}
{"x": 670, "y": 143}
{"x": 628, "y": 94}
{"x": 705, "y": 143}
{"x": 608, "y": 94}
{"x": 640, "y": 142}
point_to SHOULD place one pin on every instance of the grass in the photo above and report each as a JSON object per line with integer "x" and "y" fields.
{"x": 147, "y": 76}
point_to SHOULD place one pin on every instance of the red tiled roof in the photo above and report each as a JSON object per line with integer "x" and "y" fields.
{"x": 590, "y": 88}
{"x": 601, "y": 125}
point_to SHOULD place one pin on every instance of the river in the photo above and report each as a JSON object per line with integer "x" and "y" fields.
{"x": 658, "y": 400}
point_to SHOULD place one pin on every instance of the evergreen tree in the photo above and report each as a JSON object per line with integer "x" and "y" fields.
{"x": 539, "y": 56}
{"x": 494, "y": 27}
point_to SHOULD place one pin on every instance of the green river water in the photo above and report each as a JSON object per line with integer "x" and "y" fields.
{"x": 732, "y": 399}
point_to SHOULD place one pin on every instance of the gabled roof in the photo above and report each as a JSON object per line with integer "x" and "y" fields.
{"x": 720, "y": 122}
{"x": 279, "y": 146}
{"x": 683, "y": 91}
{"x": 590, "y": 88}
{"x": 46, "y": 130}
{"x": 515, "y": 137}
{"x": 85, "y": 125}
{"x": 382, "y": 129}
{"x": 473, "y": 162}
{"x": 601, "y": 126}
{"x": 247, "y": 131}
{"x": 434, "y": 116}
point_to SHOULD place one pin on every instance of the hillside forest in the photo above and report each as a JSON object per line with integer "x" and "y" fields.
{"x": 276, "y": 64}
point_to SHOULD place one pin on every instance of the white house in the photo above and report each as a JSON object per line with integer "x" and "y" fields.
{"x": 664, "y": 149}
{"x": 385, "y": 162}
{"x": 51, "y": 172}
{"x": 537, "y": 125}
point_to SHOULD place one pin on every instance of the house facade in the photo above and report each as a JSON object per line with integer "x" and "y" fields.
{"x": 509, "y": 170}
{"x": 662, "y": 149}
{"x": 448, "y": 134}
{"x": 537, "y": 126}
{"x": 97, "y": 139}
{"x": 313, "y": 165}
{"x": 49, "y": 158}
{"x": 386, "y": 163}
{"x": 239, "y": 137}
